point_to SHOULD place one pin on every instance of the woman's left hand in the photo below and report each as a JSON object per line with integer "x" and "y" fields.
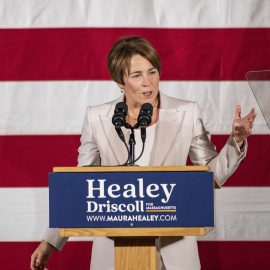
{"x": 242, "y": 127}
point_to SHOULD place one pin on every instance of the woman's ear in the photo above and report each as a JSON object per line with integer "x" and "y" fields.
{"x": 121, "y": 86}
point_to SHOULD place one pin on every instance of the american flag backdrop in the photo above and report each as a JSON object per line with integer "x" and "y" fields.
{"x": 53, "y": 64}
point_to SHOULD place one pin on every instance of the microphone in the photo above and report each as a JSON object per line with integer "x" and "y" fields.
{"x": 145, "y": 119}
{"x": 119, "y": 118}
{"x": 120, "y": 113}
{"x": 145, "y": 115}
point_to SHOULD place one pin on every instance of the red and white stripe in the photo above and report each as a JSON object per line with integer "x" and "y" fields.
{"x": 53, "y": 64}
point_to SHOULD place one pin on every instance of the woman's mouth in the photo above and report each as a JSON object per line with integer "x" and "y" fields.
{"x": 147, "y": 93}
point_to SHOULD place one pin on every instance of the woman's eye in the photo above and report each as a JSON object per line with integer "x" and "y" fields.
{"x": 136, "y": 76}
{"x": 153, "y": 72}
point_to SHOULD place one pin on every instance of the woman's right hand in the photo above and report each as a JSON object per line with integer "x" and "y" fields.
{"x": 41, "y": 256}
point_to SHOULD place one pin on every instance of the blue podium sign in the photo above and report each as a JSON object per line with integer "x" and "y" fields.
{"x": 131, "y": 199}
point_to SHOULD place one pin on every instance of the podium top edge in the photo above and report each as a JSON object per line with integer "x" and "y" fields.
{"x": 132, "y": 169}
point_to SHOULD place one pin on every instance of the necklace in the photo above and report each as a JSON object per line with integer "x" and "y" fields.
{"x": 154, "y": 108}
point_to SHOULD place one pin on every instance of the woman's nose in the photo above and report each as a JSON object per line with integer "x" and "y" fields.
{"x": 145, "y": 81}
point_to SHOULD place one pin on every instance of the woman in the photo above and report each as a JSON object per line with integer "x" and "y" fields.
{"x": 176, "y": 131}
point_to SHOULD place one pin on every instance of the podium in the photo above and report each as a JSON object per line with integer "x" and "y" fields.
{"x": 134, "y": 206}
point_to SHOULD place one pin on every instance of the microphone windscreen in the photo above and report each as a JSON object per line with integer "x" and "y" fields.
{"x": 145, "y": 115}
{"x": 147, "y": 108}
{"x": 120, "y": 113}
{"x": 121, "y": 107}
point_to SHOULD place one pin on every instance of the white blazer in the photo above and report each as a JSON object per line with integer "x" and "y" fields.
{"x": 180, "y": 132}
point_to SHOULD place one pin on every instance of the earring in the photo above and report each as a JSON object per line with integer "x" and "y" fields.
{"x": 122, "y": 90}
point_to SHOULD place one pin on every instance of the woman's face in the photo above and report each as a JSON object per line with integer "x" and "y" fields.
{"x": 142, "y": 83}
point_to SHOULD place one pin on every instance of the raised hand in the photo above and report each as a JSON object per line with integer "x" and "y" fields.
{"x": 242, "y": 127}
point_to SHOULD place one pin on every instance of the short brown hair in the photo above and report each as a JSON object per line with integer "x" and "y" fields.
{"x": 118, "y": 59}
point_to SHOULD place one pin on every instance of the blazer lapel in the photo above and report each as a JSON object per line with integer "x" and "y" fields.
{"x": 169, "y": 125}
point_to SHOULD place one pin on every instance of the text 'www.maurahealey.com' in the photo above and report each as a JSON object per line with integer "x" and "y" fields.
{"x": 132, "y": 218}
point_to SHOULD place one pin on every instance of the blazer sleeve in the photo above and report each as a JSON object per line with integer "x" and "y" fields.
{"x": 88, "y": 155}
{"x": 203, "y": 152}
{"x": 52, "y": 236}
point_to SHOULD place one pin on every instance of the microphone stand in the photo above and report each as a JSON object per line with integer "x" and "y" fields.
{"x": 132, "y": 143}
{"x": 132, "y": 147}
